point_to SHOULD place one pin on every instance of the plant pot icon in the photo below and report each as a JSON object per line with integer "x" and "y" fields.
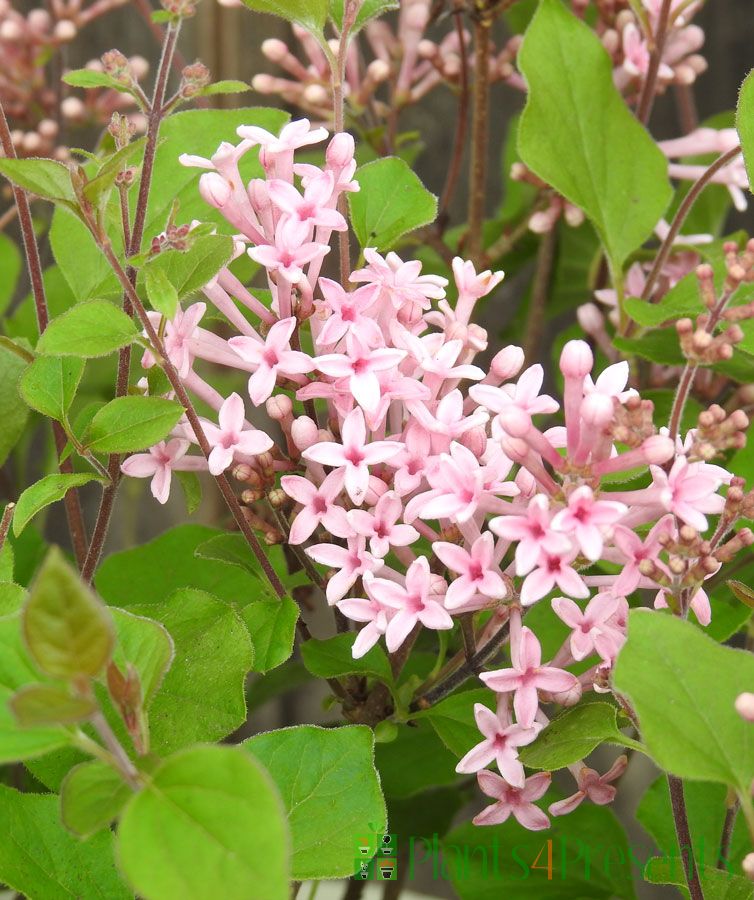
{"x": 387, "y": 848}
{"x": 388, "y": 869}
{"x": 365, "y": 846}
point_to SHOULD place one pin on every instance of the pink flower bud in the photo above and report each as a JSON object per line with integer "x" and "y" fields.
{"x": 263, "y": 83}
{"x": 376, "y": 489}
{"x": 279, "y": 407}
{"x": 748, "y": 866}
{"x": 258, "y": 195}
{"x": 340, "y": 150}
{"x": 48, "y": 128}
{"x": 274, "y": 49}
{"x": 597, "y": 410}
{"x": 378, "y": 70}
{"x": 214, "y": 189}
{"x": 316, "y": 94}
{"x": 507, "y": 363}
{"x": 476, "y": 440}
{"x": 515, "y": 421}
{"x": 65, "y": 30}
{"x": 658, "y": 449}
{"x": 304, "y": 432}
{"x": 39, "y": 20}
{"x": 139, "y": 66}
{"x": 745, "y": 706}
{"x": 576, "y": 360}
{"x": 570, "y": 697}
{"x": 590, "y": 318}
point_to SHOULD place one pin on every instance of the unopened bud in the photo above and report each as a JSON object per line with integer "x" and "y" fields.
{"x": 576, "y": 360}
{"x": 304, "y": 432}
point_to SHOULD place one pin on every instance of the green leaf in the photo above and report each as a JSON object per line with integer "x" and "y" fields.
{"x": 716, "y": 884}
{"x": 690, "y": 727}
{"x": 706, "y": 805}
{"x": 202, "y": 696}
{"x": 49, "y": 704}
{"x": 147, "y": 645}
{"x": 16, "y": 670}
{"x": 12, "y": 597}
{"x": 95, "y": 328}
{"x": 591, "y": 858}
{"x": 10, "y": 270}
{"x": 745, "y": 123}
{"x": 310, "y": 14}
{"x": 189, "y": 270}
{"x": 98, "y": 189}
{"x": 88, "y": 78}
{"x": 606, "y": 164}
{"x": 209, "y": 820}
{"x": 227, "y": 86}
{"x": 91, "y": 796}
{"x": 68, "y": 631}
{"x": 40, "y": 859}
{"x": 272, "y": 626}
{"x": 13, "y": 410}
{"x": 50, "y": 383}
{"x": 45, "y": 178}
{"x": 330, "y": 789}
{"x": 414, "y": 761}
{"x": 368, "y": 10}
{"x": 131, "y": 423}
{"x": 332, "y": 658}
{"x": 453, "y": 719}
{"x": 392, "y": 201}
{"x": 161, "y": 292}
{"x": 145, "y": 576}
{"x": 48, "y": 490}
{"x": 573, "y": 735}
{"x": 191, "y": 486}
{"x": 660, "y": 346}
{"x": 742, "y": 592}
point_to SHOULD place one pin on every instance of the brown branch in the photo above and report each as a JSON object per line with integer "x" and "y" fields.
{"x": 175, "y": 381}
{"x": 535, "y": 318}
{"x": 459, "y": 139}
{"x": 680, "y": 817}
{"x": 647, "y": 96}
{"x": 74, "y": 515}
{"x": 132, "y": 244}
{"x": 479, "y": 139}
{"x": 5, "y": 523}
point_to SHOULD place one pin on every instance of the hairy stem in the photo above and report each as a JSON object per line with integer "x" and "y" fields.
{"x": 479, "y": 138}
{"x": 115, "y": 748}
{"x": 535, "y": 319}
{"x": 649, "y": 89}
{"x": 462, "y": 673}
{"x": 459, "y": 139}
{"x": 730, "y": 820}
{"x": 5, "y": 523}
{"x": 680, "y": 217}
{"x": 132, "y": 242}
{"x": 175, "y": 381}
{"x": 74, "y": 515}
{"x": 678, "y": 803}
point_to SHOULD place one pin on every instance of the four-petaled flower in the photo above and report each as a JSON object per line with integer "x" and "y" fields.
{"x": 381, "y": 525}
{"x": 592, "y": 630}
{"x": 528, "y": 676}
{"x": 160, "y": 462}
{"x": 592, "y": 785}
{"x": 511, "y": 800}
{"x": 502, "y": 738}
{"x": 318, "y": 506}
{"x": 476, "y": 574}
{"x": 232, "y": 438}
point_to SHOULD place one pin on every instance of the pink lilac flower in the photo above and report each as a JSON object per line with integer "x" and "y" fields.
{"x": 592, "y": 629}
{"x": 160, "y": 462}
{"x": 633, "y": 550}
{"x": 354, "y": 454}
{"x": 176, "y": 339}
{"x": 502, "y": 738}
{"x": 372, "y": 613}
{"x": 319, "y": 506}
{"x": 532, "y": 532}
{"x": 688, "y": 490}
{"x": 553, "y": 569}
{"x": 510, "y": 800}
{"x": 287, "y": 256}
{"x": 591, "y": 785}
{"x": 231, "y": 438}
{"x": 400, "y": 282}
{"x": 347, "y": 313}
{"x": 310, "y": 210}
{"x": 414, "y": 603}
{"x": 585, "y": 518}
{"x": 382, "y": 525}
{"x": 476, "y": 574}
{"x": 352, "y": 562}
{"x": 293, "y": 136}
{"x": 526, "y": 677}
{"x": 271, "y": 358}
{"x": 360, "y": 365}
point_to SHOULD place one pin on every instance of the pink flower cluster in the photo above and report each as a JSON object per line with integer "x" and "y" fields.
{"x": 429, "y": 487}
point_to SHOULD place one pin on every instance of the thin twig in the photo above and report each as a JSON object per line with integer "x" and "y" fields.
{"x": 459, "y": 139}
{"x": 183, "y": 398}
{"x": 678, "y": 803}
{"x": 725, "y": 838}
{"x": 74, "y": 515}
{"x": 479, "y": 139}
{"x": 8, "y": 216}
{"x": 132, "y": 243}
{"x": 114, "y": 746}
{"x": 535, "y": 319}
{"x": 649, "y": 88}
{"x": 5, "y": 523}
{"x": 337, "y": 70}
{"x": 464, "y": 672}
{"x": 680, "y": 217}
